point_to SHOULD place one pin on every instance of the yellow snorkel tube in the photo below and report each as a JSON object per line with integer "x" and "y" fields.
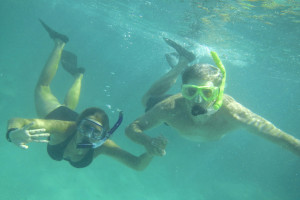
{"x": 217, "y": 105}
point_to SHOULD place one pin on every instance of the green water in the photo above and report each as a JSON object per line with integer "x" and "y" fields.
{"x": 120, "y": 44}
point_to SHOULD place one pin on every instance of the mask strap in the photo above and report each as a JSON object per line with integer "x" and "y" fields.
{"x": 217, "y": 105}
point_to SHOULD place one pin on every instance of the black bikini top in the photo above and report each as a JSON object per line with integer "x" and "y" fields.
{"x": 56, "y": 152}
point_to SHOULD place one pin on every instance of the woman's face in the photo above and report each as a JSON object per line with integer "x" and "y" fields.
{"x": 90, "y": 130}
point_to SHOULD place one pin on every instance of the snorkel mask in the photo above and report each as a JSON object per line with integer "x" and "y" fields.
{"x": 213, "y": 96}
{"x": 95, "y": 133}
{"x": 207, "y": 93}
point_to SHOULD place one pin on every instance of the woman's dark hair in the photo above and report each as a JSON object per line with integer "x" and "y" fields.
{"x": 204, "y": 72}
{"x": 98, "y": 113}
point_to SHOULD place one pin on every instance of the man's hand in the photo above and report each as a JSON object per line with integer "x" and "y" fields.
{"x": 157, "y": 146}
{"x": 22, "y": 136}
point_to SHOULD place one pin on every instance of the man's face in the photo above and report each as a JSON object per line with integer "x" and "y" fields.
{"x": 200, "y": 95}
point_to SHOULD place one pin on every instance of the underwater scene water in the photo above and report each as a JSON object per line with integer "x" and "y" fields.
{"x": 120, "y": 44}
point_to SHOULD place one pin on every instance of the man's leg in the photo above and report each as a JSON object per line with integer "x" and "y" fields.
{"x": 161, "y": 86}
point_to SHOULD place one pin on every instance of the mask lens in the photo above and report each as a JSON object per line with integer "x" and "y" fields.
{"x": 188, "y": 91}
{"x": 91, "y": 129}
{"x": 191, "y": 91}
{"x": 208, "y": 93}
{"x": 97, "y": 134}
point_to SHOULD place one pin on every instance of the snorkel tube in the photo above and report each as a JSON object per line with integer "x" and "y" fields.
{"x": 217, "y": 105}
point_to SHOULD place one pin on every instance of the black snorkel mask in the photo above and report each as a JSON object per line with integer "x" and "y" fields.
{"x": 103, "y": 136}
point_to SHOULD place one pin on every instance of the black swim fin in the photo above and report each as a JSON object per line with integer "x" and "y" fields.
{"x": 53, "y": 34}
{"x": 172, "y": 59}
{"x": 69, "y": 63}
{"x": 180, "y": 50}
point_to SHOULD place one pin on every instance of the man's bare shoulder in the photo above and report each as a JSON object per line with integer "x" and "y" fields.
{"x": 229, "y": 103}
{"x": 236, "y": 110}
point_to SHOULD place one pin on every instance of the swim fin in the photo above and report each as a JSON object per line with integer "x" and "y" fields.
{"x": 53, "y": 34}
{"x": 69, "y": 63}
{"x": 180, "y": 50}
{"x": 172, "y": 59}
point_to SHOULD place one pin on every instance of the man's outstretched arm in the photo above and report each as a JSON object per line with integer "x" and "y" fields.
{"x": 135, "y": 131}
{"x": 262, "y": 127}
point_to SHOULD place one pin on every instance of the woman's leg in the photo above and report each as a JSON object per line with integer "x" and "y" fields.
{"x": 45, "y": 101}
{"x": 69, "y": 63}
{"x": 72, "y": 97}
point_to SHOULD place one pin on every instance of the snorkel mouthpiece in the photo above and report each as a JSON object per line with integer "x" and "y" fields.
{"x": 217, "y": 105}
{"x": 84, "y": 145}
{"x": 198, "y": 110}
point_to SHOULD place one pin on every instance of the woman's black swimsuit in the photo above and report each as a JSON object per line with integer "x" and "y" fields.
{"x": 56, "y": 152}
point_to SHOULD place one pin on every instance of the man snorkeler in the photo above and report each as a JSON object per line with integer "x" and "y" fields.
{"x": 200, "y": 112}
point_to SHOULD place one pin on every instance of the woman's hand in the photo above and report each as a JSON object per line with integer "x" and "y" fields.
{"x": 22, "y": 136}
{"x": 156, "y": 146}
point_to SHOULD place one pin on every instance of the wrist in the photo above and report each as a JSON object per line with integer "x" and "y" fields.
{"x": 8, "y": 133}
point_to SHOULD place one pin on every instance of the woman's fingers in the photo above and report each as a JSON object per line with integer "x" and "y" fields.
{"x": 160, "y": 144}
{"x": 41, "y": 141}
{"x": 163, "y": 139}
{"x": 23, "y": 146}
{"x": 40, "y": 135}
{"x": 21, "y": 137}
{"x": 160, "y": 141}
{"x": 36, "y": 131}
{"x": 160, "y": 152}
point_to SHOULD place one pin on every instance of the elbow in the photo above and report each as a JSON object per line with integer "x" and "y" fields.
{"x": 141, "y": 164}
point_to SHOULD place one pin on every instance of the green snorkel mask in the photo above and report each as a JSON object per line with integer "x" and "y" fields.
{"x": 217, "y": 105}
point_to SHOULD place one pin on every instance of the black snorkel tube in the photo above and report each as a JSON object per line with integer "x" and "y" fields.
{"x": 117, "y": 124}
{"x": 87, "y": 144}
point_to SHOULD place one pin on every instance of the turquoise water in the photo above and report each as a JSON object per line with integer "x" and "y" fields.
{"x": 120, "y": 44}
